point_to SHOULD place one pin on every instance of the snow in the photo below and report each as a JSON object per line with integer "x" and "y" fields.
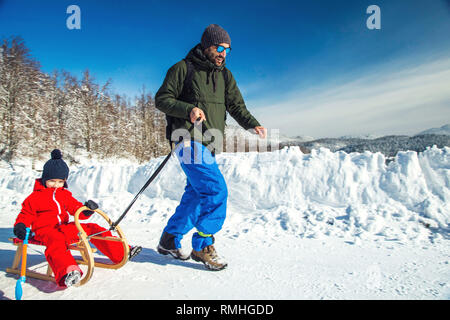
{"x": 324, "y": 225}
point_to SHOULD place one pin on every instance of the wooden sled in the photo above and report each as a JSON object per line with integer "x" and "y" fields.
{"x": 83, "y": 246}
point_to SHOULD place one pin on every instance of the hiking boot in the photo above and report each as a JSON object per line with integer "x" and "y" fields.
{"x": 167, "y": 246}
{"x": 72, "y": 278}
{"x": 210, "y": 258}
{"x": 134, "y": 251}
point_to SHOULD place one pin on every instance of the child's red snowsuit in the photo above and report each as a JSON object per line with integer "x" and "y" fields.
{"x": 46, "y": 211}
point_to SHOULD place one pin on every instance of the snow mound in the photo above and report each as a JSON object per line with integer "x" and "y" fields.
{"x": 354, "y": 196}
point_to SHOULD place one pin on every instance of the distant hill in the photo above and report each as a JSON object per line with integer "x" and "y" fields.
{"x": 388, "y": 145}
{"x": 445, "y": 130}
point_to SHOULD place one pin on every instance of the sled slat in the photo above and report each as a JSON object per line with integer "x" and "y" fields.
{"x": 107, "y": 238}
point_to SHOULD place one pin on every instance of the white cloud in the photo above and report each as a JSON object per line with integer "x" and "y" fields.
{"x": 395, "y": 98}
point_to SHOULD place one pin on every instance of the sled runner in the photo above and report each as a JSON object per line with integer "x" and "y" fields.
{"x": 83, "y": 246}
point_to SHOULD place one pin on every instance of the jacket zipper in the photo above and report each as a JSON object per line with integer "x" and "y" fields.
{"x": 59, "y": 207}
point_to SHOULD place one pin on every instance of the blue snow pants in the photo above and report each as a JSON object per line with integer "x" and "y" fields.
{"x": 204, "y": 202}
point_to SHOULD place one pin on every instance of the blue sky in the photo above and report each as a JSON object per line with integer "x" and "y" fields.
{"x": 304, "y": 67}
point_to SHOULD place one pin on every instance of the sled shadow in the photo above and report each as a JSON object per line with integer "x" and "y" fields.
{"x": 3, "y": 297}
{"x": 150, "y": 255}
{"x": 42, "y": 285}
{"x": 34, "y": 260}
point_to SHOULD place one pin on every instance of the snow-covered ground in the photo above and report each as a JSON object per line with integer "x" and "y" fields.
{"x": 300, "y": 226}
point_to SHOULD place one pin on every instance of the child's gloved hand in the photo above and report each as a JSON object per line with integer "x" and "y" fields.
{"x": 20, "y": 230}
{"x": 91, "y": 205}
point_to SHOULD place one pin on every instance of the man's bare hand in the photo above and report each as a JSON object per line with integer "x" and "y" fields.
{"x": 197, "y": 115}
{"x": 261, "y": 131}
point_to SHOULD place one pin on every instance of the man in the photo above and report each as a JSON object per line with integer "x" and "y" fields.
{"x": 210, "y": 92}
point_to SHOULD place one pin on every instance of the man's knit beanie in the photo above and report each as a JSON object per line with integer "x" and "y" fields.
{"x": 55, "y": 168}
{"x": 214, "y": 34}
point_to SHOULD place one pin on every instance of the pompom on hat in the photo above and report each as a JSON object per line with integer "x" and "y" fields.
{"x": 55, "y": 168}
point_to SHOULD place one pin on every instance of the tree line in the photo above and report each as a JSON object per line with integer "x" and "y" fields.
{"x": 40, "y": 112}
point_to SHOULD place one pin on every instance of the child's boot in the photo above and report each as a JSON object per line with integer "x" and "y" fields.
{"x": 72, "y": 278}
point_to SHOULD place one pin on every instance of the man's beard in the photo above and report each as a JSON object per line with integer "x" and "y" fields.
{"x": 212, "y": 57}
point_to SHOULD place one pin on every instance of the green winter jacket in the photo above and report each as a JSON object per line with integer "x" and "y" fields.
{"x": 209, "y": 93}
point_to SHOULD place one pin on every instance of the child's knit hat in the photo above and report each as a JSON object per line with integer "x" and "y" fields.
{"x": 55, "y": 168}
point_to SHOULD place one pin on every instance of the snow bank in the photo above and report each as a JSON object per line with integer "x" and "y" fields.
{"x": 354, "y": 196}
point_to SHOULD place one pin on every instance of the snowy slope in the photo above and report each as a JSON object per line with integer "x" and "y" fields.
{"x": 300, "y": 226}
{"x": 444, "y": 130}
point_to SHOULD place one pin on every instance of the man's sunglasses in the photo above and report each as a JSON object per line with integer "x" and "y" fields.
{"x": 222, "y": 48}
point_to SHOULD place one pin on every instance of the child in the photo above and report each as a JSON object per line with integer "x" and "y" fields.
{"x": 46, "y": 210}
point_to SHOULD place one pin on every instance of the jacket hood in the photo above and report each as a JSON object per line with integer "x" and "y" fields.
{"x": 197, "y": 56}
